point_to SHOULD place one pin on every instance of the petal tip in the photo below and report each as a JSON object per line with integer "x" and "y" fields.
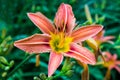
{"x": 49, "y": 74}
{"x": 93, "y": 63}
{"x": 29, "y": 14}
{"x": 100, "y": 27}
{"x": 15, "y": 43}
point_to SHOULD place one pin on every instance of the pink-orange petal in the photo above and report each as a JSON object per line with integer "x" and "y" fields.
{"x": 117, "y": 62}
{"x": 71, "y": 20}
{"x": 34, "y": 44}
{"x": 64, "y": 18}
{"x": 81, "y": 53}
{"x": 114, "y": 57}
{"x": 54, "y": 61}
{"x": 86, "y": 32}
{"x": 61, "y": 16}
{"x": 99, "y": 35}
{"x": 107, "y": 38}
{"x": 41, "y": 22}
{"x": 107, "y": 55}
{"x": 117, "y": 68}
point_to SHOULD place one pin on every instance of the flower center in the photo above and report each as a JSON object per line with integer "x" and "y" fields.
{"x": 60, "y": 43}
{"x": 109, "y": 63}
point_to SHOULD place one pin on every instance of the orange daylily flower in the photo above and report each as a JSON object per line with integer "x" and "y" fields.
{"x": 111, "y": 61}
{"x": 97, "y": 40}
{"x": 100, "y": 38}
{"x": 60, "y": 38}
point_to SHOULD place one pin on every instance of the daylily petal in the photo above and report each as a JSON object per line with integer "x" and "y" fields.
{"x": 107, "y": 38}
{"x": 61, "y": 16}
{"x": 64, "y": 18}
{"x": 117, "y": 68}
{"x": 114, "y": 57}
{"x": 54, "y": 61}
{"x": 111, "y": 66}
{"x": 35, "y": 44}
{"x": 99, "y": 35}
{"x": 71, "y": 20}
{"x": 117, "y": 62}
{"x": 41, "y": 22}
{"x": 107, "y": 55}
{"x": 84, "y": 33}
{"x": 81, "y": 53}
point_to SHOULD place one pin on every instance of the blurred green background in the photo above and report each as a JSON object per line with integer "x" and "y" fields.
{"x": 15, "y": 25}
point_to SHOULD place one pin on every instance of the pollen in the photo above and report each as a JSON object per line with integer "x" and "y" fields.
{"x": 60, "y": 43}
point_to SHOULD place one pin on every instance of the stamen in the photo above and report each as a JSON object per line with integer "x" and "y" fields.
{"x": 62, "y": 39}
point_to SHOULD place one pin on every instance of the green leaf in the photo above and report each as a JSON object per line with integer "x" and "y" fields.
{"x": 96, "y": 73}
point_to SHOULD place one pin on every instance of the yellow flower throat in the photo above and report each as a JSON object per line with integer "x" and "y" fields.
{"x": 60, "y": 43}
{"x": 109, "y": 63}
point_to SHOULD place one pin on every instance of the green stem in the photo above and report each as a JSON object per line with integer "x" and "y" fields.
{"x": 67, "y": 61}
{"x": 58, "y": 75}
{"x": 16, "y": 68}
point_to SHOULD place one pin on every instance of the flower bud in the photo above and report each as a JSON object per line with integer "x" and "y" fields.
{"x": 11, "y": 63}
{"x": 92, "y": 43}
{"x": 3, "y": 60}
{"x": 7, "y": 68}
{"x": 69, "y": 66}
{"x": 42, "y": 76}
{"x": 4, "y": 74}
{"x": 69, "y": 73}
{"x": 36, "y": 78}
